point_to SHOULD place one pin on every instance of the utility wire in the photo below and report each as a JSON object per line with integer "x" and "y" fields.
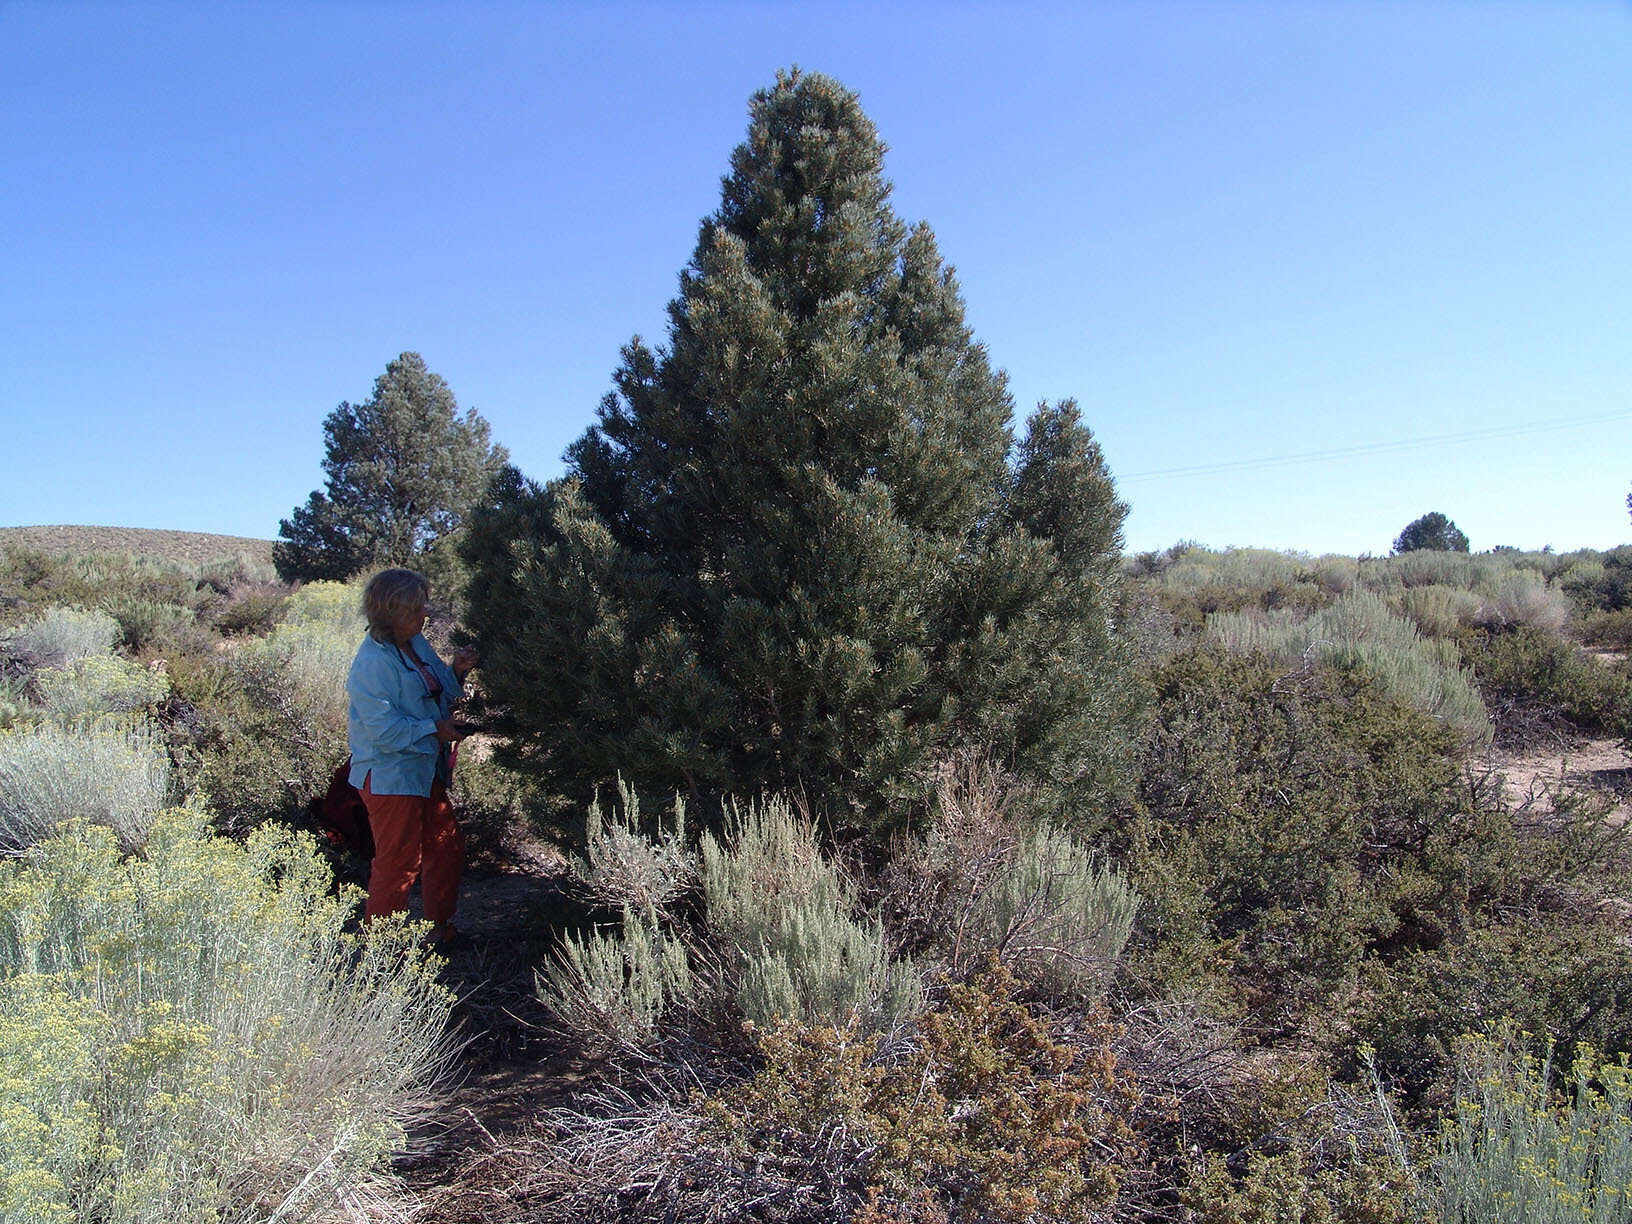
{"x": 1376, "y": 448}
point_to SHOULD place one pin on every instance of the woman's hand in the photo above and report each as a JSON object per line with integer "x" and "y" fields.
{"x": 448, "y": 733}
{"x": 463, "y": 660}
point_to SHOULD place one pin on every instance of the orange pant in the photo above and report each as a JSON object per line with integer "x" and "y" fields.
{"x": 413, "y": 836}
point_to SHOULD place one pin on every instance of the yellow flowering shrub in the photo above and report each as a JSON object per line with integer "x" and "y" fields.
{"x": 98, "y": 684}
{"x": 1517, "y": 1150}
{"x": 193, "y": 1035}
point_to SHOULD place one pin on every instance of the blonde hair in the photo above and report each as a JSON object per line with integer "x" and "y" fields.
{"x": 388, "y": 597}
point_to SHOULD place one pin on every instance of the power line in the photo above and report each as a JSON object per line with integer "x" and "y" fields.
{"x": 1376, "y": 448}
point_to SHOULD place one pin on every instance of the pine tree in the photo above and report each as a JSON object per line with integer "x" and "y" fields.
{"x": 1432, "y": 531}
{"x": 403, "y": 470}
{"x": 792, "y": 554}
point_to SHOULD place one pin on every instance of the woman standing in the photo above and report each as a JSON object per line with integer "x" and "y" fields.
{"x": 401, "y": 704}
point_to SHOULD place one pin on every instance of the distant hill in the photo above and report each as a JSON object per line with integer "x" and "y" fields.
{"x": 180, "y": 547}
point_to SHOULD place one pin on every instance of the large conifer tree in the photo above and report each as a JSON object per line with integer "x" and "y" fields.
{"x": 793, "y": 553}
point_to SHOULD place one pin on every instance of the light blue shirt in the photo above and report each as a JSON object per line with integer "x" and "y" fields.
{"x": 392, "y": 719}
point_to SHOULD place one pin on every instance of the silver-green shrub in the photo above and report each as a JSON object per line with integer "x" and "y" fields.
{"x": 1360, "y": 631}
{"x": 1055, "y": 912}
{"x": 1338, "y": 574}
{"x": 1433, "y": 567}
{"x": 1439, "y": 611}
{"x": 190, "y": 1036}
{"x": 982, "y": 881}
{"x": 98, "y": 684}
{"x": 1515, "y": 1153}
{"x": 147, "y": 622}
{"x": 624, "y": 867}
{"x": 109, "y": 772}
{"x": 782, "y": 916}
{"x": 611, "y": 990}
{"x": 1525, "y": 599}
{"x": 60, "y": 635}
{"x": 1247, "y": 569}
{"x": 297, "y": 674}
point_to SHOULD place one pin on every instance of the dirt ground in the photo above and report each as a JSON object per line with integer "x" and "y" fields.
{"x": 514, "y": 1063}
{"x": 1535, "y": 776}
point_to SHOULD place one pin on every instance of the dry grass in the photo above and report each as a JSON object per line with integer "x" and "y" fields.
{"x": 179, "y": 547}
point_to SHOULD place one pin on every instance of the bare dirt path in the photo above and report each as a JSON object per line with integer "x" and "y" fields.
{"x": 514, "y": 1063}
{"x": 1536, "y": 776}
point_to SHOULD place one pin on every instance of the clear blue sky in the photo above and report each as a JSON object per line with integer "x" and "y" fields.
{"x": 1234, "y": 232}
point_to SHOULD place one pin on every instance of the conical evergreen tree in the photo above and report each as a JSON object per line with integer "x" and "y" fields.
{"x": 793, "y": 554}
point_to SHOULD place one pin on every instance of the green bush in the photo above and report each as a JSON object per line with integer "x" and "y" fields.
{"x": 279, "y": 729}
{"x": 988, "y": 1116}
{"x": 188, "y": 1036}
{"x": 1607, "y": 629}
{"x": 1516, "y": 1152}
{"x": 1534, "y": 676}
{"x": 1548, "y": 972}
{"x": 781, "y": 915}
{"x": 145, "y": 622}
{"x": 110, "y": 772}
{"x": 493, "y": 801}
{"x": 336, "y": 604}
{"x": 98, "y": 684}
{"x": 1293, "y": 1187}
{"x": 1603, "y": 582}
{"x": 1285, "y": 825}
{"x": 252, "y": 609}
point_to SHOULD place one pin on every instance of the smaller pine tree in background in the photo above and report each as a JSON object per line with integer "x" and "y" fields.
{"x": 1432, "y": 531}
{"x": 403, "y": 469}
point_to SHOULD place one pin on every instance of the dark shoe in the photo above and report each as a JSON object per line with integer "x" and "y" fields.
{"x": 444, "y": 938}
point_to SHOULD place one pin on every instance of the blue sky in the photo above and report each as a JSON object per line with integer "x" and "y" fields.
{"x": 1311, "y": 269}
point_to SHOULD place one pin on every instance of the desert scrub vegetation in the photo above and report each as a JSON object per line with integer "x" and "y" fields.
{"x": 777, "y": 932}
{"x": 1306, "y": 846}
{"x": 1522, "y": 1148}
{"x": 986, "y": 1115}
{"x": 58, "y": 636}
{"x": 98, "y": 684}
{"x": 188, "y": 1034}
{"x": 986, "y": 1107}
{"x": 1536, "y": 681}
{"x": 622, "y": 864}
{"x": 787, "y": 919}
{"x": 272, "y": 711}
{"x": 780, "y": 1050}
{"x": 1359, "y": 631}
{"x": 110, "y": 771}
{"x": 985, "y": 880}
